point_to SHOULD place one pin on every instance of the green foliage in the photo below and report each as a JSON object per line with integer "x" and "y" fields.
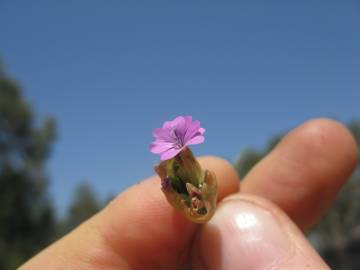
{"x": 354, "y": 127}
{"x": 84, "y": 205}
{"x": 249, "y": 157}
{"x": 246, "y": 160}
{"x": 26, "y": 215}
{"x": 27, "y": 219}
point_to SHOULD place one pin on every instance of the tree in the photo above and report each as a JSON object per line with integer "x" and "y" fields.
{"x": 249, "y": 157}
{"x": 246, "y": 160}
{"x": 26, "y": 214}
{"x": 84, "y": 205}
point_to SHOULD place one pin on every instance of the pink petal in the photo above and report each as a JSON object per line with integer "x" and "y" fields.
{"x": 173, "y": 123}
{"x": 179, "y": 124}
{"x": 170, "y": 153}
{"x": 176, "y": 128}
{"x": 179, "y": 132}
{"x": 160, "y": 147}
{"x": 188, "y": 123}
{"x": 167, "y": 125}
{"x": 188, "y": 120}
{"x": 178, "y": 121}
{"x": 162, "y": 134}
{"x": 202, "y": 130}
{"x": 192, "y": 130}
{"x": 196, "y": 140}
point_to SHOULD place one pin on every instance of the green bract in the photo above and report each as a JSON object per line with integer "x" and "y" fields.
{"x": 187, "y": 187}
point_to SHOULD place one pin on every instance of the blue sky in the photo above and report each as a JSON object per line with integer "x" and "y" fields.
{"x": 111, "y": 71}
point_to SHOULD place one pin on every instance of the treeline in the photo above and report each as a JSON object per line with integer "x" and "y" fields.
{"x": 27, "y": 218}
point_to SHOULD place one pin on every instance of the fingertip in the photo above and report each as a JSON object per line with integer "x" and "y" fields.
{"x": 332, "y": 150}
{"x": 325, "y": 134}
{"x": 305, "y": 170}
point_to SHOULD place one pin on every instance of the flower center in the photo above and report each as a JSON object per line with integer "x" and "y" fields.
{"x": 179, "y": 143}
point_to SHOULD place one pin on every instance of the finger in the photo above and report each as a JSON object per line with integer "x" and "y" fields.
{"x": 138, "y": 230}
{"x": 155, "y": 227}
{"x": 305, "y": 171}
{"x": 247, "y": 232}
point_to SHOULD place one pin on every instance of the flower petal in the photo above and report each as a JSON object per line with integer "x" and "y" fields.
{"x": 175, "y": 135}
{"x": 188, "y": 120}
{"x": 196, "y": 140}
{"x": 178, "y": 121}
{"x": 176, "y": 129}
{"x": 192, "y": 130}
{"x": 160, "y": 147}
{"x": 179, "y": 125}
{"x": 167, "y": 125}
{"x": 162, "y": 134}
{"x": 170, "y": 153}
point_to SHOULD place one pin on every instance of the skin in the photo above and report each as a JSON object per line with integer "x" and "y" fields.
{"x": 297, "y": 182}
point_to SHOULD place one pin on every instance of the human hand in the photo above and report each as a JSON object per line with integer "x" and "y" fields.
{"x": 258, "y": 228}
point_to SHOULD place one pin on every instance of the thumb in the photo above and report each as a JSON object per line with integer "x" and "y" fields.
{"x": 247, "y": 232}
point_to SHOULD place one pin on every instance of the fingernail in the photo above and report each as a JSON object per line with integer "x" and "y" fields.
{"x": 243, "y": 235}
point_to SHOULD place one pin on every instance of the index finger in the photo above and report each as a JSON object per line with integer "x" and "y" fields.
{"x": 137, "y": 230}
{"x": 304, "y": 172}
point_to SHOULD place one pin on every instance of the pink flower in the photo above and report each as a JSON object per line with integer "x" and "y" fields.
{"x": 175, "y": 135}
